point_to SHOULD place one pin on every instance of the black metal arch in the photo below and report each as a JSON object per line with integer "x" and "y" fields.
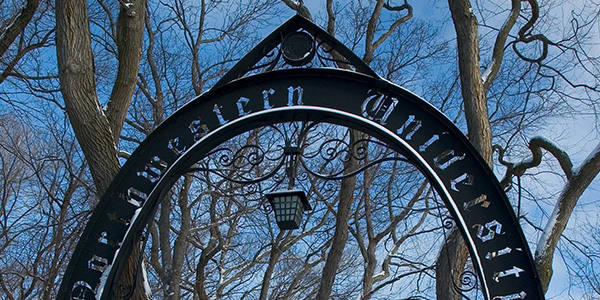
{"x": 390, "y": 113}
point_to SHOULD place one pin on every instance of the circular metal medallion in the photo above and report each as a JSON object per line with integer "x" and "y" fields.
{"x": 298, "y": 48}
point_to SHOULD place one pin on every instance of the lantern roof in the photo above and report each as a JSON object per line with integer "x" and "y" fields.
{"x": 300, "y": 193}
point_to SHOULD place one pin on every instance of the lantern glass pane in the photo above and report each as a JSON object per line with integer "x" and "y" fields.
{"x": 288, "y": 207}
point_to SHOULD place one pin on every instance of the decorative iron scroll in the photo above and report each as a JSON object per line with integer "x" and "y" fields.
{"x": 271, "y": 164}
{"x": 239, "y": 165}
{"x": 326, "y": 53}
{"x": 468, "y": 282}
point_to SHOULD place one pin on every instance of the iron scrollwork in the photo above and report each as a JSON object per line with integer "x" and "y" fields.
{"x": 468, "y": 282}
{"x": 294, "y": 157}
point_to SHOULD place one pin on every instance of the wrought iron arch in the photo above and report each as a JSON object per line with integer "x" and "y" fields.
{"x": 356, "y": 99}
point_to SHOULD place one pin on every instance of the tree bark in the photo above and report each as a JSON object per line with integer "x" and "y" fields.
{"x": 472, "y": 88}
{"x": 370, "y": 34}
{"x": 557, "y": 222}
{"x": 299, "y": 7}
{"x": 346, "y": 197}
{"x": 180, "y": 244}
{"x": 97, "y": 134}
{"x": 76, "y": 75}
{"x": 130, "y": 31}
{"x": 450, "y": 264}
{"x": 499, "y": 45}
{"x": 371, "y": 44}
{"x": 275, "y": 253}
{"x": 577, "y": 182}
{"x": 133, "y": 279}
{"x": 454, "y": 253}
{"x": 8, "y": 36}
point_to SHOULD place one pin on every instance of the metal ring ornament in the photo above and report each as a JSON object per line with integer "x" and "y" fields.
{"x": 298, "y": 48}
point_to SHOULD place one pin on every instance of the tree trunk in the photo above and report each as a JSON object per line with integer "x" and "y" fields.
{"x": 130, "y": 30}
{"x": 454, "y": 253}
{"x": 97, "y": 134}
{"x": 133, "y": 280}
{"x": 76, "y": 74}
{"x": 273, "y": 259}
{"x": 180, "y": 244}
{"x": 557, "y": 222}
{"x": 8, "y": 35}
{"x": 472, "y": 88}
{"x": 346, "y": 197}
{"x": 450, "y": 265}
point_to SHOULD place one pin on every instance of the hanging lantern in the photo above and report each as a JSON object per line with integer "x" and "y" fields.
{"x": 288, "y": 207}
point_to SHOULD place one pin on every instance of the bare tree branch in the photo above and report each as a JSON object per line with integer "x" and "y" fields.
{"x": 10, "y": 67}
{"x": 8, "y": 35}
{"x": 536, "y": 145}
{"x": 76, "y": 74}
{"x": 330, "y": 18}
{"x": 396, "y": 23}
{"x": 130, "y": 30}
{"x": 526, "y": 37}
{"x": 340, "y": 236}
{"x": 370, "y": 43}
{"x": 498, "y": 54}
{"x": 572, "y": 191}
{"x": 473, "y": 92}
{"x": 299, "y": 7}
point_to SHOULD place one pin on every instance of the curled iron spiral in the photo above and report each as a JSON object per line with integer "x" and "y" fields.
{"x": 448, "y": 222}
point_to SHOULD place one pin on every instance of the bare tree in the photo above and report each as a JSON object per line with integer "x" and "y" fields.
{"x": 12, "y": 27}
{"x": 42, "y": 194}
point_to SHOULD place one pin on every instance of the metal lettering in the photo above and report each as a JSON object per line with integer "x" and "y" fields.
{"x": 198, "y": 129}
{"x": 437, "y": 161}
{"x": 136, "y": 197}
{"x": 381, "y": 109}
{"x": 98, "y": 263}
{"x": 160, "y": 164}
{"x": 291, "y": 92}
{"x": 266, "y": 93}
{"x": 424, "y": 147}
{"x": 113, "y": 217}
{"x": 154, "y": 170}
{"x": 482, "y": 199}
{"x": 410, "y": 130}
{"x": 173, "y": 145}
{"x": 514, "y": 271}
{"x": 123, "y": 196}
{"x": 493, "y": 228}
{"x": 466, "y": 179}
{"x": 495, "y": 254}
{"x": 520, "y": 295}
{"x": 217, "y": 111}
{"x": 103, "y": 240}
{"x": 82, "y": 288}
{"x": 150, "y": 172}
{"x": 243, "y": 101}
